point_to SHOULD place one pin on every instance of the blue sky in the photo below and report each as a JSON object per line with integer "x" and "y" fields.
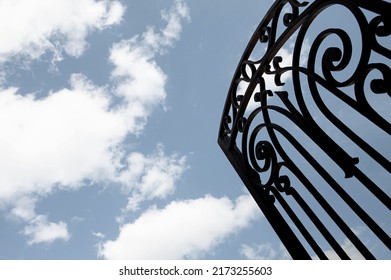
{"x": 109, "y": 112}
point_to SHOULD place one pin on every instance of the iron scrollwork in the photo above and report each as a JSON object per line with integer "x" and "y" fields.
{"x": 283, "y": 116}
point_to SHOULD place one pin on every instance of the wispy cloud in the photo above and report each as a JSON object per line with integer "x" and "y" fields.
{"x": 348, "y": 247}
{"x": 269, "y": 251}
{"x": 40, "y": 230}
{"x": 264, "y": 251}
{"x": 29, "y": 29}
{"x": 139, "y": 80}
{"x": 150, "y": 176}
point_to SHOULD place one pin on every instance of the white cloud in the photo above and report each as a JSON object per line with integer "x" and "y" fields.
{"x": 40, "y": 230}
{"x": 264, "y": 251}
{"x": 151, "y": 176}
{"x": 98, "y": 235}
{"x": 140, "y": 81}
{"x": 61, "y": 139}
{"x": 57, "y": 142}
{"x": 77, "y": 133}
{"x": 183, "y": 229}
{"x": 24, "y": 208}
{"x": 348, "y": 247}
{"x": 269, "y": 251}
{"x": 31, "y": 28}
{"x": 174, "y": 17}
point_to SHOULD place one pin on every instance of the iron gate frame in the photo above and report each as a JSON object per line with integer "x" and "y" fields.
{"x": 239, "y": 143}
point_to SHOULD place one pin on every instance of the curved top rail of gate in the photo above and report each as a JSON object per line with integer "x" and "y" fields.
{"x": 306, "y": 125}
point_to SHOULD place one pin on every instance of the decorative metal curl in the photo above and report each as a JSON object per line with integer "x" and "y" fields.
{"x": 273, "y": 120}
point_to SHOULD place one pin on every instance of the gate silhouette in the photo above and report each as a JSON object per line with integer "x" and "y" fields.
{"x": 306, "y": 125}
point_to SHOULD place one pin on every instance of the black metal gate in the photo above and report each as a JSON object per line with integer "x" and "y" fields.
{"x": 306, "y": 125}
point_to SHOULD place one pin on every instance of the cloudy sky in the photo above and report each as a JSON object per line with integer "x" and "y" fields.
{"x": 109, "y": 112}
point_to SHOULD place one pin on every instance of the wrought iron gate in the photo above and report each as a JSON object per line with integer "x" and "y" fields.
{"x": 306, "y": 125}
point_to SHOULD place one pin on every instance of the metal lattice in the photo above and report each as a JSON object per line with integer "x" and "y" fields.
{"x": 306, "y": 125}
